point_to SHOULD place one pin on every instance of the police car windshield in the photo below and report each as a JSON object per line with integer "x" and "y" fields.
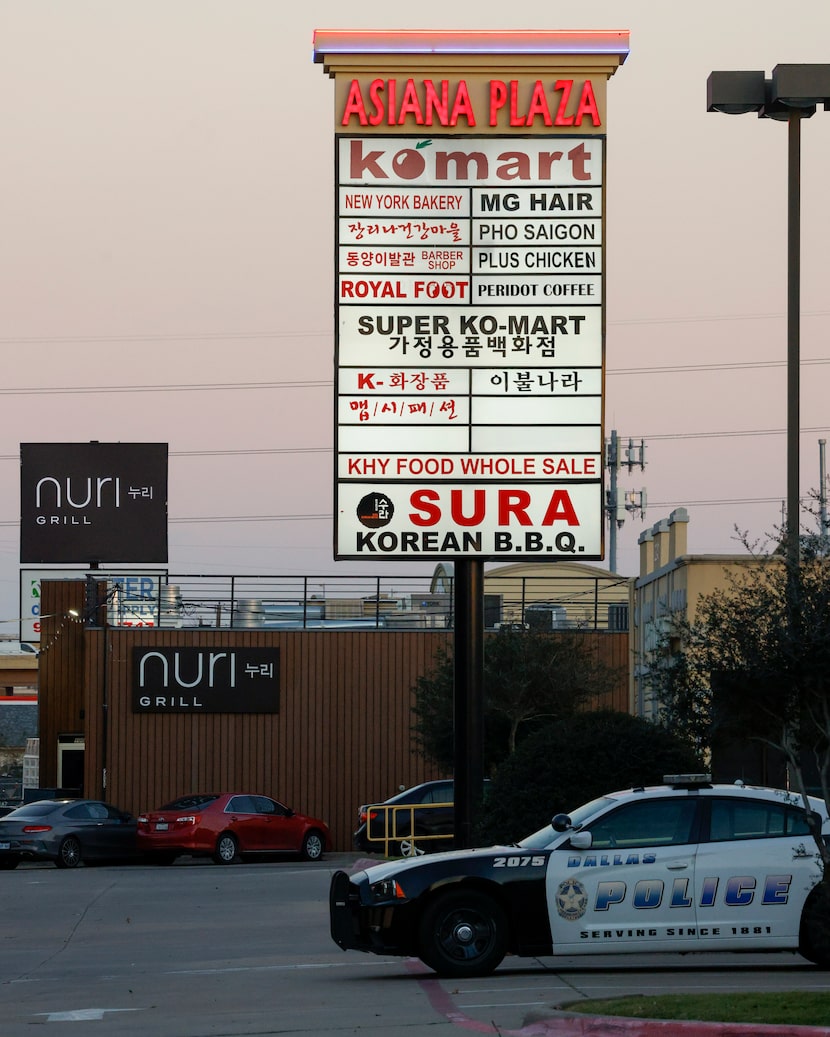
{"x": 578, "y": 817}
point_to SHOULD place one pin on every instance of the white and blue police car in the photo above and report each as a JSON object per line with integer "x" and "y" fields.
{"x": 684, "y": 866}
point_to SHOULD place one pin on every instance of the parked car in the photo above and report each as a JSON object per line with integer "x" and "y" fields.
{"x": 66, "y": 831}
{"x": 680, "y": 867}
{"x": 17, "y": 648}
{"x": 227, "y": 825}
{"x": 424, "y": 811}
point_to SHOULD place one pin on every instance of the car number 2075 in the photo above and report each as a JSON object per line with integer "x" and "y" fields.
{"x": 519, "y": 862}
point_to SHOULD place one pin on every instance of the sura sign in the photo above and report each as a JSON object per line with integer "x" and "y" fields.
{"x": 470, "y": 292}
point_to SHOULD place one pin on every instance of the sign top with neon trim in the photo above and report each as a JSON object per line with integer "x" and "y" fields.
{"x": 328, "y": 42}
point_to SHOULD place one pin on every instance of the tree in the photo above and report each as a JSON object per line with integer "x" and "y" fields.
{"x": 530, "y": 680}
{"x": 755, "y": 663}
{"x": 571, "y": 763}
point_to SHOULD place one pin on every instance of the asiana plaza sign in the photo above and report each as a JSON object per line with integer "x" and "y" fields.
{"x": 470, "y": 292}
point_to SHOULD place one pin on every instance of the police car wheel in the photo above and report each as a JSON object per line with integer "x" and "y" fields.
{"x": 814, "y": 941}
{"x": 463, "y": 933}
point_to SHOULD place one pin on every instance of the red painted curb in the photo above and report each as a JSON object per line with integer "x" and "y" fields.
{"x": 619, "y": 1026}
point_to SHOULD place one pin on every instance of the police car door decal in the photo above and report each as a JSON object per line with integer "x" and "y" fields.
{"x": 754, "y": 873}
{"x": 634, "y": 885}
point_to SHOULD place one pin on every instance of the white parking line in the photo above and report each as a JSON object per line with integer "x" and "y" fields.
{"x": 83, "y": 1015}
{"x": 283, "y": 968}
{"x": 504, "y": 1004}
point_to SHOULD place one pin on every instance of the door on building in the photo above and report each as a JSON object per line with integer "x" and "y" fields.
{"x": 71, "y": 764}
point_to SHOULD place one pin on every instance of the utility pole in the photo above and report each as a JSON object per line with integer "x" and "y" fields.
{"x": 822, "y": 495}
{"x": 617, "y": 503}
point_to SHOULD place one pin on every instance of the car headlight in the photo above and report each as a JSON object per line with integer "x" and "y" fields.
{"x": 387, "y": 889}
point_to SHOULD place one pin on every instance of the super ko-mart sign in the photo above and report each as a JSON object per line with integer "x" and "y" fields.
{"x": 469, "y": 294}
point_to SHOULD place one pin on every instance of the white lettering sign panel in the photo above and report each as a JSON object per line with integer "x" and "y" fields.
{"x": 496, "y": 519}
{"x": 470, "y": 362}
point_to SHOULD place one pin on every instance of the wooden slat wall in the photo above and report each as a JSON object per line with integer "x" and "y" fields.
{"x": 342, "y": 736}
{"x": 61, "y": 677}
{"x": 612, "y": 650}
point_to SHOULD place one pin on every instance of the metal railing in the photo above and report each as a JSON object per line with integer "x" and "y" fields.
{"x": 422, "y": 602}
{"x": 400, "y": 830}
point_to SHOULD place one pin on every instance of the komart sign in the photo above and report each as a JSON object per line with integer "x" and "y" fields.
{"x": 470, "y": 291}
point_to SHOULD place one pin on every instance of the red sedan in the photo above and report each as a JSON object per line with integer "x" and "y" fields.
{"x": 227, "y": 825}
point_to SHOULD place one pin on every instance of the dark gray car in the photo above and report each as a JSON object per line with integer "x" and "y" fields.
{"x": 66, "y": 831}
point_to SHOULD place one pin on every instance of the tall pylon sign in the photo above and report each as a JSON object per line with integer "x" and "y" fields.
{"x": 470, "y": 173}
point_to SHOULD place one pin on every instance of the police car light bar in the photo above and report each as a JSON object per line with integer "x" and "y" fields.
{"x": 687, "y": 779}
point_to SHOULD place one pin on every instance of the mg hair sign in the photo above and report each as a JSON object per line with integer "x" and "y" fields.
{"x": 205, "y": 680}
{"x": 470, "y": 248}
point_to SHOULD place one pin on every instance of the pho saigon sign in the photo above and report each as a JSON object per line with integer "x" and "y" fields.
{"x": 470, "y": 292}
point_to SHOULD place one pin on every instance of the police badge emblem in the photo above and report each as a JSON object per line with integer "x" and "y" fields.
{"x": 571, "y": 900}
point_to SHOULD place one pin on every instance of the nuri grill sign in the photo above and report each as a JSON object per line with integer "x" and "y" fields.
{"x": 470, "y": 172}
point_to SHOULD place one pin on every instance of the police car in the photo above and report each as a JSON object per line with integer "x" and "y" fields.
{"x": 685, "y": 866}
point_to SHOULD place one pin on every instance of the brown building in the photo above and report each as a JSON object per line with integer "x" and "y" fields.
{"x": 337, "y": 736}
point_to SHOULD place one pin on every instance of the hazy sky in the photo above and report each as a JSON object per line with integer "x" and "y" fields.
{"x": 166, "y": 235}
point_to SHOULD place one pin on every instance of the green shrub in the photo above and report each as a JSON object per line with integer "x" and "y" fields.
{"x": 572, "y": 762}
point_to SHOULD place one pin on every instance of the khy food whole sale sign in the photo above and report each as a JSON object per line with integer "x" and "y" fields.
{"x": 470, "y": 245}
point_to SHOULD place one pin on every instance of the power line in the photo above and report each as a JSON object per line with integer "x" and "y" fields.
{"x": 72, "y": 390}
{"x": 735, "y": 434}
{"x": 742, "y": 366}
{"x": 76, "y": 390}
{"x": 225, "y": 518}
{"x": 327, "y": 517}
{"x": 715, "y": 318}
{"x": 209, "y": 336}
{"x": 224, "y": 336}
{"x": 268, "y": 451}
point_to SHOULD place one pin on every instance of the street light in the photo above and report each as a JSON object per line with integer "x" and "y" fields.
{"x": 790, "y": 95}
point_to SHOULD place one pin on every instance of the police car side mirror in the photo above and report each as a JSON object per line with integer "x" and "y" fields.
{"x": 581, "y": 840}
{"x": 561, "y": 823}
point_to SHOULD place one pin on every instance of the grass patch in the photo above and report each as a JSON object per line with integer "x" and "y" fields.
{"x": 794, "y": 1008}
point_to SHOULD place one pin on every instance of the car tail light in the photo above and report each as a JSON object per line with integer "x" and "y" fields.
{"x": 373, "y": 815}
{"x": 143, "y": 819}
{"x": 29, "y": 829}
{"x": 187, "y": 819}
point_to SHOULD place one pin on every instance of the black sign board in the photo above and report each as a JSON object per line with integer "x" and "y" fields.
{"x": 93, "y": 502}
{"x": 206, "y": 680}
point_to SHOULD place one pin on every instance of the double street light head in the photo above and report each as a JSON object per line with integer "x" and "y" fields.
{"x": 801, "y": 87}
{"x": 791, "y": 94}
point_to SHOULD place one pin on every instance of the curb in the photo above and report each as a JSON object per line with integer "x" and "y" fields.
{"x": 621, "y": 1026}
{"x": 565, "y": 1024}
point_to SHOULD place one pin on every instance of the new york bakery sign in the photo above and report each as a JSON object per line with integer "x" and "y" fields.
{"x": 470, "y": 292}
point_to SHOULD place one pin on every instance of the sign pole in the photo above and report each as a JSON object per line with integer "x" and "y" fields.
{"x": 469, "y": 313}
{"x": 468, "y": 698}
